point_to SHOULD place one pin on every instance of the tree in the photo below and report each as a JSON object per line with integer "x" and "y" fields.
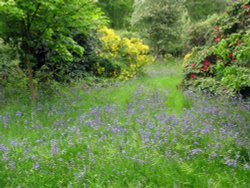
{"x": 201, "y": 9}
{"x": 52, "y": 25}
{"x": 118, "y": 11}
{"x": 161, "y": 22}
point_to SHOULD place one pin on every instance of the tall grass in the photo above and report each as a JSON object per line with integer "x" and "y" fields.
{"x": 141, "y": 133}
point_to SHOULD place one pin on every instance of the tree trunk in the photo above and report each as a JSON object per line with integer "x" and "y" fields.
{"x": 29, "y": 74}
{"x": 157, "y": 54}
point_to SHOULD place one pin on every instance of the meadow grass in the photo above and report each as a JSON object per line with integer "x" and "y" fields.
{"x": 141, "y": 133}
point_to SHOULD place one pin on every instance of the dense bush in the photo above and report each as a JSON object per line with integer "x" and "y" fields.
{"x": 44, "y": 33}
{"x": 223, "y": 66}
{"x": 199, "y": 33}
{"x": 77, "y": 68}
{"x": 12, "y": 79}
{"x": 8, "y": 59}
{"x": 120, "y": 57}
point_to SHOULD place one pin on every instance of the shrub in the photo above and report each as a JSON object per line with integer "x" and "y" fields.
{"x": 225, "y": 62}
{"x": 199, "y": 33}
{"x": 120, "y": 57}
{"x": 12, "y": 78}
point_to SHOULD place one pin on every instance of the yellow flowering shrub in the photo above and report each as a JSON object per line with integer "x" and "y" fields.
{"x": 186, "y": 58}
{"x": 124, "y": 57}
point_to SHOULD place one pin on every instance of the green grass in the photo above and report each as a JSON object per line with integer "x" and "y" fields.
{"x": 141, "y": 133}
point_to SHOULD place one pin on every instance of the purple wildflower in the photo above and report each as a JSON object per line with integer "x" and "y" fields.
{"x": 246, "y": 166}
{"x": 54, "y": 147}
{"x": 5, "y": 121}
{"x": 195, "y": 151}
{"x": 36, "y": 166}
{"x": 230, "y": 162}
{"x": 12, "y": 143}
{"x": 12, "y": 165}
{"x": 5, "y": 157}
{"x": 18, "y": 114}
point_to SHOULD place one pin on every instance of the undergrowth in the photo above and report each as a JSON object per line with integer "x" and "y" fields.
{"x": 143, "y": 133}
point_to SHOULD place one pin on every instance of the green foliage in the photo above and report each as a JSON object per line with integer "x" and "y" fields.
{"x": 210, "y": 85}
{"x": 13, "y": 81}
{"x": 8, "y": 59}
{"x": 223, "y": 66}
{"x": 162, "y": 23}
{"x": 201, "y": 9}
{"x": 235, "y": 77}
{"x": 118, "y": 11}
{"x": 44, "y": 33}
{"x": 199, "y": 33}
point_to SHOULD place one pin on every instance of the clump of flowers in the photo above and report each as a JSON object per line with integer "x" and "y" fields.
{"x": 227, "y": 59}
{"x": 121, "y": 57}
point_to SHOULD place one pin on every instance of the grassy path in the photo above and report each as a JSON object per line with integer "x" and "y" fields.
{"x": 143, "y": 133}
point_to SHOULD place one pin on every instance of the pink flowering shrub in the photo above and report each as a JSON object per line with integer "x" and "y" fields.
{"x": 223, "y": 66}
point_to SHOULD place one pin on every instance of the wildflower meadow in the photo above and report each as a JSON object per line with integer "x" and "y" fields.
{"x": 145, "y": 133}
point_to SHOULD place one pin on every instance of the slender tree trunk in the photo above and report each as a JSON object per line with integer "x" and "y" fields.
{"x": 157, "y": 54}
{"x": 26, "y": 50}
{"x": 29, "y": 74}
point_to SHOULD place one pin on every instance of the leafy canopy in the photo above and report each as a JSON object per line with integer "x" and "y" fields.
{"x": 50, "y": 22}
{"x": 49, "y": 27}
{"x": 201, "y": 9}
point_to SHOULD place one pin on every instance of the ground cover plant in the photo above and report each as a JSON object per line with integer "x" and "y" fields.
{"x": 143, "y": 133}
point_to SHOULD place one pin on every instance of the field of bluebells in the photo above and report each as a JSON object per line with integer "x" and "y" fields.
{"x": 143, "y": 133}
